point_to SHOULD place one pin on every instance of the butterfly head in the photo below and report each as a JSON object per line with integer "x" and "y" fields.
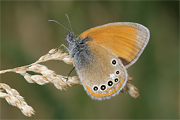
{"x": 70, "y": 38}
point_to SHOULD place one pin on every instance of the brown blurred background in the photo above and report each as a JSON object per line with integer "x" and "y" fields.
{"x": 26, "y": 35}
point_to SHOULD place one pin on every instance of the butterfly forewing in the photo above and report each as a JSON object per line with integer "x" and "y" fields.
{"x": 126, "y": 40}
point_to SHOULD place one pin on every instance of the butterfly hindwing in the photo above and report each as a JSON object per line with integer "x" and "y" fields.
{"x": 102, "y": 75}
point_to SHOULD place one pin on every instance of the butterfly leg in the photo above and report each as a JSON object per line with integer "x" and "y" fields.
{"x": 69, "y": 74}
{"x": 62, "y": 45}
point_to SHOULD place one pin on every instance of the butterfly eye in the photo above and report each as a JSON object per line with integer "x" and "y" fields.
{"x": 113, "y": 62}
{"x": 116, "y": 79}
{"x": 117, "y": 72}
{"x": 110, "y": 83}
{"x": 95, "y": 88}
{"x": 103, "y": 87}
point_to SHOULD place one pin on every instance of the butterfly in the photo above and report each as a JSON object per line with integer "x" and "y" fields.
{"x": 102, "y": 54}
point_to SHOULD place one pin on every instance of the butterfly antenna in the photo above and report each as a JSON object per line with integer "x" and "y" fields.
{"x": 60, "y": 24}
{"x": 69, "y": 22}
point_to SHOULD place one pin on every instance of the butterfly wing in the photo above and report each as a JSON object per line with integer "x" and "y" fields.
{"x": 102, "y": 73}
{"x": 125, "y": 39}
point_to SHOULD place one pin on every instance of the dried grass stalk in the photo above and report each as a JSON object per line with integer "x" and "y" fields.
{"x": 15, "y": 99}
{"x": 131, "y": 89}
{"x": 46, "y": 76}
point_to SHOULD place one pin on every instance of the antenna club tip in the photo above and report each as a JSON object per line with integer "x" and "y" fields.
{"x": 50, "y": 20}
{"x": 60, "y": 24}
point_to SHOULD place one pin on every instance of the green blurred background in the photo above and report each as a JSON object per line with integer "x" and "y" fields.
{"x": 26, "y": 35}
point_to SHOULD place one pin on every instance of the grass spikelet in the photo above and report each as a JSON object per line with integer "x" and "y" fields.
{"x": 44, "y": 76}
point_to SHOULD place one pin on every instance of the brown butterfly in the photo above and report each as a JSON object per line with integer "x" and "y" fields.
{"x": 101, "y": 55}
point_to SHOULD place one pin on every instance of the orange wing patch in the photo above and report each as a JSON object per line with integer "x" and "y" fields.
{"x": 125, "y": 40}
{"x": 105, "y": 94}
